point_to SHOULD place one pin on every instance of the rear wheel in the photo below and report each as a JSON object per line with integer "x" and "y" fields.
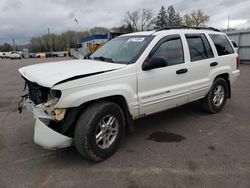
{"x": 217, "y": 96}
{"x": 99, "y": 131}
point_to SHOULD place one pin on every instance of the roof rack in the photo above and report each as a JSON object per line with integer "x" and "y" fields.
{"x": 186, "y": 27}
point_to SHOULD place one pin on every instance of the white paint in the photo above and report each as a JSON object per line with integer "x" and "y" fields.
{"x": 48, "y": 138}
{"x": 145, "y": 92}
{"x": 48, "y": 74}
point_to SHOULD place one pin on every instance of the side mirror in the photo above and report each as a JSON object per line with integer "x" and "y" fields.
{"x": 154, "y": 63}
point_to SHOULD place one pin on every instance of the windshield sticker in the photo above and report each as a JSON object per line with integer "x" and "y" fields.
{"x": 136, "y": 39}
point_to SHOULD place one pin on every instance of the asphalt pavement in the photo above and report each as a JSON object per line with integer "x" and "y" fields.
{"x": 181, "y": 147}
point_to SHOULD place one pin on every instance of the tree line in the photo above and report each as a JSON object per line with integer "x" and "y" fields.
{"x": 137, "y": 20}
{"x": 142, "y": 19}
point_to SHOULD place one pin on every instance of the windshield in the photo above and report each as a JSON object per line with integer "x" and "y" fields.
{"x": 122, "y": 50}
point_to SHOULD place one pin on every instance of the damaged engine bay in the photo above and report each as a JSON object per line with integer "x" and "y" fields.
{"x": 41, "y": 101}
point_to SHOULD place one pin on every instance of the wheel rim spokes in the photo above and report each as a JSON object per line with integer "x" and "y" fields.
{"x": 218, "y": 96}
{"x": 106, "y": 131}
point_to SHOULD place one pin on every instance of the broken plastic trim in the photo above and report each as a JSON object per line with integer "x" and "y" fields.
{"x": 37, "y": 93}
{"x": 56, "y": 126}
{"x": 20, "y": 104}
{"x": 82, "y": 76}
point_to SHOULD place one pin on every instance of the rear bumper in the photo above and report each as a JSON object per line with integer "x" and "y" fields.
{"x": 235, "y": 75}
{"x": 44, "y": 135}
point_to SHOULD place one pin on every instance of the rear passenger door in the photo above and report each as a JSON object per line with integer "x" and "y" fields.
{"x": 200, "y": 62}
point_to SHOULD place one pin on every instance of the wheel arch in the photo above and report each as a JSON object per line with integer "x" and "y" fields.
{"x": 226, "y": 77}
{"x": 73, "y": 113}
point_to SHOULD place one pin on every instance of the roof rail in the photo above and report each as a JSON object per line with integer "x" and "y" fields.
{"x": 186, "y": 27}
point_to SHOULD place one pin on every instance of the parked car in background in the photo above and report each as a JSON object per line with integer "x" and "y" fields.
{"x": 37, "y": 55}
{"x": 15, "y": 55}
{"x": 56, "y": 54}
{"x": 48, "y": 54}
{"x": 60, "y": 54}
{"x": 32, "y": 55}
{"x": 21, "y": 54}
{"x": 5, "y": 55}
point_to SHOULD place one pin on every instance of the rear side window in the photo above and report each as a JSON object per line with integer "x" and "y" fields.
{"x": 222, "y": 44}
{"x": 199, "y": 47}
{"x": 170, "y": 50}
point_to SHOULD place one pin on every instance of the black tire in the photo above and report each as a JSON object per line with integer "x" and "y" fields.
{"x": 208, "y": 104}
{"x": 87, "y": 126}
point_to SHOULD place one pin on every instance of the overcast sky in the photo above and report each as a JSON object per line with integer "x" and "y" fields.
{"x": 23, "y": 19}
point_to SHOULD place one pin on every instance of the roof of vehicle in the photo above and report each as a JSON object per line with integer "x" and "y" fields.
{"x": 174, "y": 30}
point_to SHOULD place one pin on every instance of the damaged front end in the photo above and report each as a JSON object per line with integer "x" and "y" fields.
{"x": 41, "y": 102}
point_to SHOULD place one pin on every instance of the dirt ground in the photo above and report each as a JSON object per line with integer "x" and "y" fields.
{"x": 182, "y": 147}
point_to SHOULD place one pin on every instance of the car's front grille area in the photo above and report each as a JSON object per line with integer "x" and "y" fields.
{"x": 38, "y": 94}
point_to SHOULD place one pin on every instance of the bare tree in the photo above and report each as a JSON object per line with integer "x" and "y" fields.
{"x": 132, "y": 19}
{"x": 139, "y": 20}
{"x": 197, "y": 18}
{"x": 122, "y": 29}
{"x": 146, "y": 19}
{"x": 99, "y": 30}
{"x": 6, "y": 47}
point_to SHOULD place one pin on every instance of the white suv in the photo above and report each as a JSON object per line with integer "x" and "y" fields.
{"x": 15, "y": 55}
{"x": 90, "y": 103}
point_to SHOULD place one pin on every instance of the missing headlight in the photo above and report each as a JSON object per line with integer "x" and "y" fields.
{"x": 38, "y": 94}
{"x": 53, "y": 97}
{"x": 54, "y": 94}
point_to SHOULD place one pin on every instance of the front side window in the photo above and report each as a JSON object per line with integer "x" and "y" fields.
{"x": 199, "y": 48}
{"x": 171, "y": 51}
{"x": 124, "y": 50}
{"x": 222, "y": 44}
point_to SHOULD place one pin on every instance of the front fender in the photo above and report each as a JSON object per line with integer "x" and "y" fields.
{"x": 77, "y": 96}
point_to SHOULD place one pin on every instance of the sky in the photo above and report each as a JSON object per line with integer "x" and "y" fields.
{"x": 24, "y": 19}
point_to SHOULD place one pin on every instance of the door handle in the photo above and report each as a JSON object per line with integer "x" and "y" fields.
{"x": 181, "y": 71}
{"x": 213, "y": 64}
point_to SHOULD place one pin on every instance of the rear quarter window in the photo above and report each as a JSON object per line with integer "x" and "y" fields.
{"x": 222, "y": 44}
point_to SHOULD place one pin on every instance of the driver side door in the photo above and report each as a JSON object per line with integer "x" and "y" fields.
{"x": 165, "y": 87}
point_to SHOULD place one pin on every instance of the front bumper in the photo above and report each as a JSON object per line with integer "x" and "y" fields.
{"x": 49, "y": 138}
{"x": 44, "y": 135}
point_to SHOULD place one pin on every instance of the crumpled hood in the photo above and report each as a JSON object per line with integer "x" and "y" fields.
{"x": 48, "y": 74}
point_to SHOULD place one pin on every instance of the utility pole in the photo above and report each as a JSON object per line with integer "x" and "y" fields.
{"x": 14, "y": 45}
{"x": 228, "y": 18}
{"x": 76, "y": 34}
{"x": 76, "y": 40}
{"x": 50, "y": 41}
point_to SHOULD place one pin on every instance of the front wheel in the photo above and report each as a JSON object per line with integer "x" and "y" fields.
{"x": 99, "y": 130}
{"x": 216, "y": 97}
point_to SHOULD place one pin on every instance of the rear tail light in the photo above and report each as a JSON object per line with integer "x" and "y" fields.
{"x": 238, "y": 62}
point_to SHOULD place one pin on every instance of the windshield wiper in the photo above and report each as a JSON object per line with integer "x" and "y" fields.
{"x": 102, "y": 58}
